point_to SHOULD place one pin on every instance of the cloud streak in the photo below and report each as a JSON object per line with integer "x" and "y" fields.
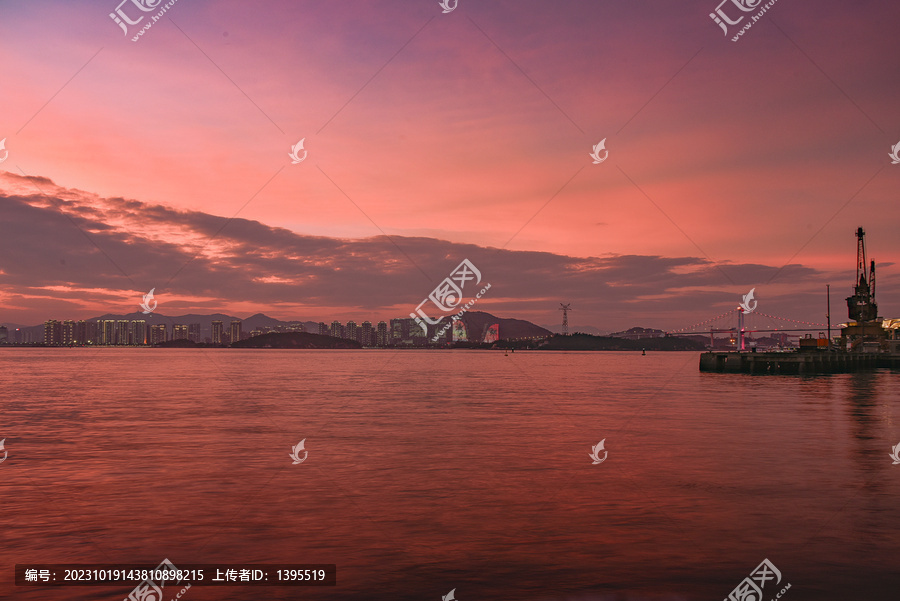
{"x": 250, "y": 266}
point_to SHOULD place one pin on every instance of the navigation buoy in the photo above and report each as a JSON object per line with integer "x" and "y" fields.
{"x": 643, "y": 351}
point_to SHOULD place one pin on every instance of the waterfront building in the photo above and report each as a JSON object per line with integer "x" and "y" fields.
{"x": 236, "y": 331}
{"x": 399, "y": 331}
{"x": 121, "y": 332}
{"x": 68, "y": 332}
{"x": 179, "y": 332}
{"x": 107, "y": 331}
{"x": 381, "y": 337}
{"x": 366, "y": 334}
{"x": 138, "y": 332}
{"x": 80, "y": 332}
{"x": 337, "y": 330}
{"x": 351, "y": 332}
{"x": 415, "y": 335}
{"x": 323, "y": 328}
{"x": 52, "y": 332}
{"x": 218, "y": 329}
{"x": 157, "y": 333}
{"x": 194, "y": 332}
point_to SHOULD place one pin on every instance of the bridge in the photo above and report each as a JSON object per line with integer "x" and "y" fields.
{"x": 740, "y": 322}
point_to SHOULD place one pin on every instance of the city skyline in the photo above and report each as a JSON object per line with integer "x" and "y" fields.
{"x": 138, "y": 332}
{"x": 440, "y": 139}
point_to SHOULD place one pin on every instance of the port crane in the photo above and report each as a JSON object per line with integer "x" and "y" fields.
{"x": 861, "y": 307}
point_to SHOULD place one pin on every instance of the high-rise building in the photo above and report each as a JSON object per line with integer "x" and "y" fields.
{"x": 366, "y": 334}
{"x": 296, "y": 326}
{"x": 218, "y": 328}
{"x": 4, "y": 335}
{"x": 138, "y": 332}
{"x": 415, "y": 335}
{"x": 121, "y": 332}
{"x": 67, "y": 332}
{"x": 337, "y": 330}
{"x": 351, "y": 332}
{"x": 381, "y": 337}
{"x": 179, "y": 332}
{"x": 90, "y": 332}
{"x": 52, "y": 332}
{"x": 157, "y": 333}
{"x": 79, "y": 332}
{"x": 399, "y": 331}
{"x": 107, "y": 331}
{"x": 323, "y": 328}
{"x": 194, "y": 332}
{"x": 237, "y": 332}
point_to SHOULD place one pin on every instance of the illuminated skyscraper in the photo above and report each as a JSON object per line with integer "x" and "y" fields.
{"x": 179, "y": 332}
{"x": 323, "y": 328}
{"x": 80, "y": 332}
{"x": 351, "y": 332}
{"x": 194, "y": 332}
{"x": 52, "y": 332}
{"x": 68, "y": 332}
{"x": 107, "y": 331}
{"x": 237, "y": 332}
{"x": 399, "y": 331}
{"x": 218, "y": 328}
{"x": 337, "y": 330}
{"x": 366, "y": 335}
{"x": 121, "y": 332}
{"x": 157, "y": 333}
{"x": 138, "y": 332}
{"x": 381, "y": 338}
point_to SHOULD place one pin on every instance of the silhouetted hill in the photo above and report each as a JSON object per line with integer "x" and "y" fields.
{"x": 296, "y": 340}
{"x": 477, "y": 323}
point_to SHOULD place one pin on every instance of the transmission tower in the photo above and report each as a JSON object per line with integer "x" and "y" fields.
{"x": 565, "y": 324}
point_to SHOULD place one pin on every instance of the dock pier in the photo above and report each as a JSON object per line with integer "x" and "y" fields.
{"x": 795, "y": 362}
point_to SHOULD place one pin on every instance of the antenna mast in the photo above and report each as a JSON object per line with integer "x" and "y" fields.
{"x": 565, "y": 323}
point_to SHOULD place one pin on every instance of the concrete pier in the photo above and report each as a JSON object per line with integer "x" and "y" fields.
{"x": 823, "y": 362}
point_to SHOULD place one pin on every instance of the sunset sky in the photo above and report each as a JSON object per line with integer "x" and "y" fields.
{"x": 432, "y": 138}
